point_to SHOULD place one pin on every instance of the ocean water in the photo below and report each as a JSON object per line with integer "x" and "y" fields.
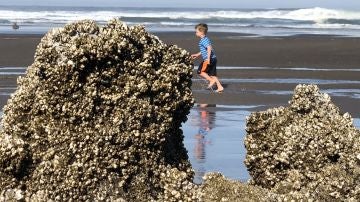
{"x": 262, "y": 22}
{"x": 214, "y": 138}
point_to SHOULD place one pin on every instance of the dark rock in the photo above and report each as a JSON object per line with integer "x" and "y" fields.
{"x": 97, "y": 116}
{"x": 308, "y": 148}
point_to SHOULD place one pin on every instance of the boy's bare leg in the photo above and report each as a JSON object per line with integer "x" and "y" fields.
{"x": 218, "y": 84}
{"x": 207, "y": 77}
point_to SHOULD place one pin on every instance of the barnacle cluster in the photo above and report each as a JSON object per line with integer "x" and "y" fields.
{"x": 308, "y": 150}
{"x": 97, "y": 117}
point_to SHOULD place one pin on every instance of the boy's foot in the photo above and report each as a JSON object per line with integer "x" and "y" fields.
{"x": 211, "y": 84}
{"x": 220, "y": 90}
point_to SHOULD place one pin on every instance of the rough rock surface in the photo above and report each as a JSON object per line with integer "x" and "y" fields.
{"x": 98, "y": 116}
{"x": 218, "y": 188}
{"x": 306, "y": 150}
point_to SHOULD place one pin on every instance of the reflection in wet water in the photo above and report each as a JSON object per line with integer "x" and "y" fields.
{"x": 214, "y": 138}
{"x": 206, "y": 123}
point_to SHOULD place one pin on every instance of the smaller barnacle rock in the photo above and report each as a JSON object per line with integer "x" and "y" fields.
{"x": 306, "y": 150}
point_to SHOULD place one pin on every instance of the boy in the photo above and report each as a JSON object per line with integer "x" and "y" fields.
{"x": 207, "y": 68}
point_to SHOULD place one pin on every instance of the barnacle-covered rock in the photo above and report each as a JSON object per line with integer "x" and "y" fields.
{"x": 306, "y": 150}
{"x": 218, "y": 188}
{"x": 97, "y": 117}
{"x": 178, "y": 186}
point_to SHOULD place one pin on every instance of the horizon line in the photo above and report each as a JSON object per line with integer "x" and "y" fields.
{"x": 174, "y": 7}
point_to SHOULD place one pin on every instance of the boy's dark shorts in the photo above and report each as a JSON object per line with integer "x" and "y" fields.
{"x": 211, "y": 69}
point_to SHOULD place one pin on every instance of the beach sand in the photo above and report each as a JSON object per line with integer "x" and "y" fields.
{"x": 263, "y": 87}
{"x": 232, "y": 49}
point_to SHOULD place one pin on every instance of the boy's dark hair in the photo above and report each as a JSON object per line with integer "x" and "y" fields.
{"x": 202, "y": 27}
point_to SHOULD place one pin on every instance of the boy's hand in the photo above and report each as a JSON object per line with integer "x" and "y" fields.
{"x": 194, "y": 56}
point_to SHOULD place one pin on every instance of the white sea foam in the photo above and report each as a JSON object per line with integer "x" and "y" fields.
{"x": 317, "y": 17}
{"x": 310, "y": 14}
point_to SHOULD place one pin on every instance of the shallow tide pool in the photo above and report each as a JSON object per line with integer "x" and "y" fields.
{"x": 214, "y": 138}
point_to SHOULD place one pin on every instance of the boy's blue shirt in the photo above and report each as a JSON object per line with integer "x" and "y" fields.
{"x": 203, "y": 44}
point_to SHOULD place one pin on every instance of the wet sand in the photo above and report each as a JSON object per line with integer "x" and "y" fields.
{"x": 18, "y": 50}
{"x": 232, "y": 49}
{"x": 295, "y": 51}
{"x": 333, "y": 64}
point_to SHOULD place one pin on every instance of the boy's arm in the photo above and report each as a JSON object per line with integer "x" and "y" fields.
{"x": 209, "y": 48}
{"x": 195, "y": 55}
